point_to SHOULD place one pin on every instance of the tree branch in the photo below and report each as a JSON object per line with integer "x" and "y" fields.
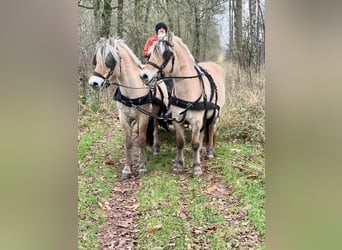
{"x": 86, "y": 7}
{"x": 92, "y": 7}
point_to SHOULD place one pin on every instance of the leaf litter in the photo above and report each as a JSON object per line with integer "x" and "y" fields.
{"x": 120, "y": 228}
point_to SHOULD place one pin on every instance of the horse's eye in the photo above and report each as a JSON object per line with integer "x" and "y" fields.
{"x": 110, "y": 61}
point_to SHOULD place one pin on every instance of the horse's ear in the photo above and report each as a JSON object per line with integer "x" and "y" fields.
{"x": 170, "y": 37}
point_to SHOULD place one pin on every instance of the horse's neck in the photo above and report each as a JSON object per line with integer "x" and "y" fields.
{"x": 129, "y": 77}
{"x": 187, "y": 89}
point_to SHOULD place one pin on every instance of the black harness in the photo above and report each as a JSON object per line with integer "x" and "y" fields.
{"x": 206, "y": 104}
{"x": 149, "y": 98}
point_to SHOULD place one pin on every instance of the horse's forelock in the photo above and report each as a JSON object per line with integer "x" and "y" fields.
{"x": 103, "y": 48}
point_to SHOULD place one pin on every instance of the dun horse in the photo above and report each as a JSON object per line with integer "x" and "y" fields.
{"x": 115, "y": 61}
{"x": 198, "y": 95}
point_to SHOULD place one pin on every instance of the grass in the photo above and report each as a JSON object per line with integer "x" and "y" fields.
{"x": 95, "y": 178}
{"x": 250, "y": 188}
{"x": 176, "y": 212}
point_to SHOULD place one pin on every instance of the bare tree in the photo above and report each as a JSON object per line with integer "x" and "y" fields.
{"x": 252, "y": 60}
{"x": 231, "y": 27}
{"x": 106, "y": 18}
{"x": 120, "y": 18}
{"x": 192, "y": 20}
{"x": 238, "y": 30}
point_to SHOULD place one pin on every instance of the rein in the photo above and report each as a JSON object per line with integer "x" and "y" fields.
{"x": 182, "y": 77}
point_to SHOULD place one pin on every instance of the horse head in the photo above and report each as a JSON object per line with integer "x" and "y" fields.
{"x": 161, "y": 61}
{"x": 105, "y": 60}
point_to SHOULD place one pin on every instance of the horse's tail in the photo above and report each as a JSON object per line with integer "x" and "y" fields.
{"x": 206, "y": 132}
{"x": 206, "y": 136}
{"x": 149, "y": 132}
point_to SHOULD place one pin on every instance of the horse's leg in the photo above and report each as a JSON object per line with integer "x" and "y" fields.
{"x": 179, "y": 163}
{"x": 196, "y": 145}
{"x": 141, "y": 141}
{"x": 211, "y": 136}
{"x": 156, "y": 145}
{"x": 126, "y": 172}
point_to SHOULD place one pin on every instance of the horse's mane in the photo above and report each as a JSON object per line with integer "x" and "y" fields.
{"x": 110, "y": 45}
{"x": 176, "y": 39}
{"x": 183, "y": 45}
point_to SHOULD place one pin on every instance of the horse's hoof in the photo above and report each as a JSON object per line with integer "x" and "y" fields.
{"x": 210, "y": 156}
{"x": 197, "y": 171}
{"x": 142, "y": 172}
{"x": 156, "y": 149}
{"x": 125, "y": 175}
{"x": 177, "y": 171}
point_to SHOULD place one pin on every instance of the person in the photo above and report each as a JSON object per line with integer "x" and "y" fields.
{"x": 160, "y": 28}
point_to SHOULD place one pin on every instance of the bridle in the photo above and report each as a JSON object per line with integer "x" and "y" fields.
{"x": 168, "y": 55}
{"x": 110, "y": 62}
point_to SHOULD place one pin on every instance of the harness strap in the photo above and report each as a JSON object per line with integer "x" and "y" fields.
{"x": 136, "y": 102}
{"x": 196, "y": 105}
{"x": 192, "y": 105}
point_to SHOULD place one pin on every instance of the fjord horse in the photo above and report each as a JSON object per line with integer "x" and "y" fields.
{"x": 198, "y": 95}
{"x": 115, "y": 61}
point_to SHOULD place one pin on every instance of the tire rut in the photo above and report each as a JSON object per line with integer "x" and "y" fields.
{"x": 120, "y": 228}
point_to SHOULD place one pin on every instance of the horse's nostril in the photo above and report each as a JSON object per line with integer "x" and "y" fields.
{"x": 144, "y": 76}
{"x": 95, "y": 83}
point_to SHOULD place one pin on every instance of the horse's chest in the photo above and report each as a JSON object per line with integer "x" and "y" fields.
{"x": 126, "y": 111}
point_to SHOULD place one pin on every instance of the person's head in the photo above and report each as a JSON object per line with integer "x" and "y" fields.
{"x": 161, "y": 27}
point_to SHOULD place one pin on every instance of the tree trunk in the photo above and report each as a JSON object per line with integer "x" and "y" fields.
{"x": 231, "y": 28}
{"x": 120, "y": 19}
{"x": 106, "y": 18}
{"x": 238, "y": 31}
{"x": 197, "y": 47}
{"x": 97, "y": 18}
{"x": 252, "y": 31}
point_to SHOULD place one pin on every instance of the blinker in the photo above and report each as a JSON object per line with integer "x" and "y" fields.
{"x": 110, "y": 61}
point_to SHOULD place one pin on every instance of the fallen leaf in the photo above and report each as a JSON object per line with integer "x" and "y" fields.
{"x": 100, "y": 204}
{"x": 123, "y": 224}
{"x": 135, "y": 206}
{"x": 216, "y": 190}
{"x": 182, "y": 215}
{"x": 154, "y": 228}
{"x": 109, "y": 162}
{"x": 212, "y": 189}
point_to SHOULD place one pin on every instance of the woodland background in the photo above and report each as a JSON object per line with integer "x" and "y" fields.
{"x": 214, "y": 30}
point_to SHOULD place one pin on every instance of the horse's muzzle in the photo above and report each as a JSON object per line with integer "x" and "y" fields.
{"x": 95, "y": 82}
{"x": 148, "y": 77}
{"x": 144, "y": 78}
